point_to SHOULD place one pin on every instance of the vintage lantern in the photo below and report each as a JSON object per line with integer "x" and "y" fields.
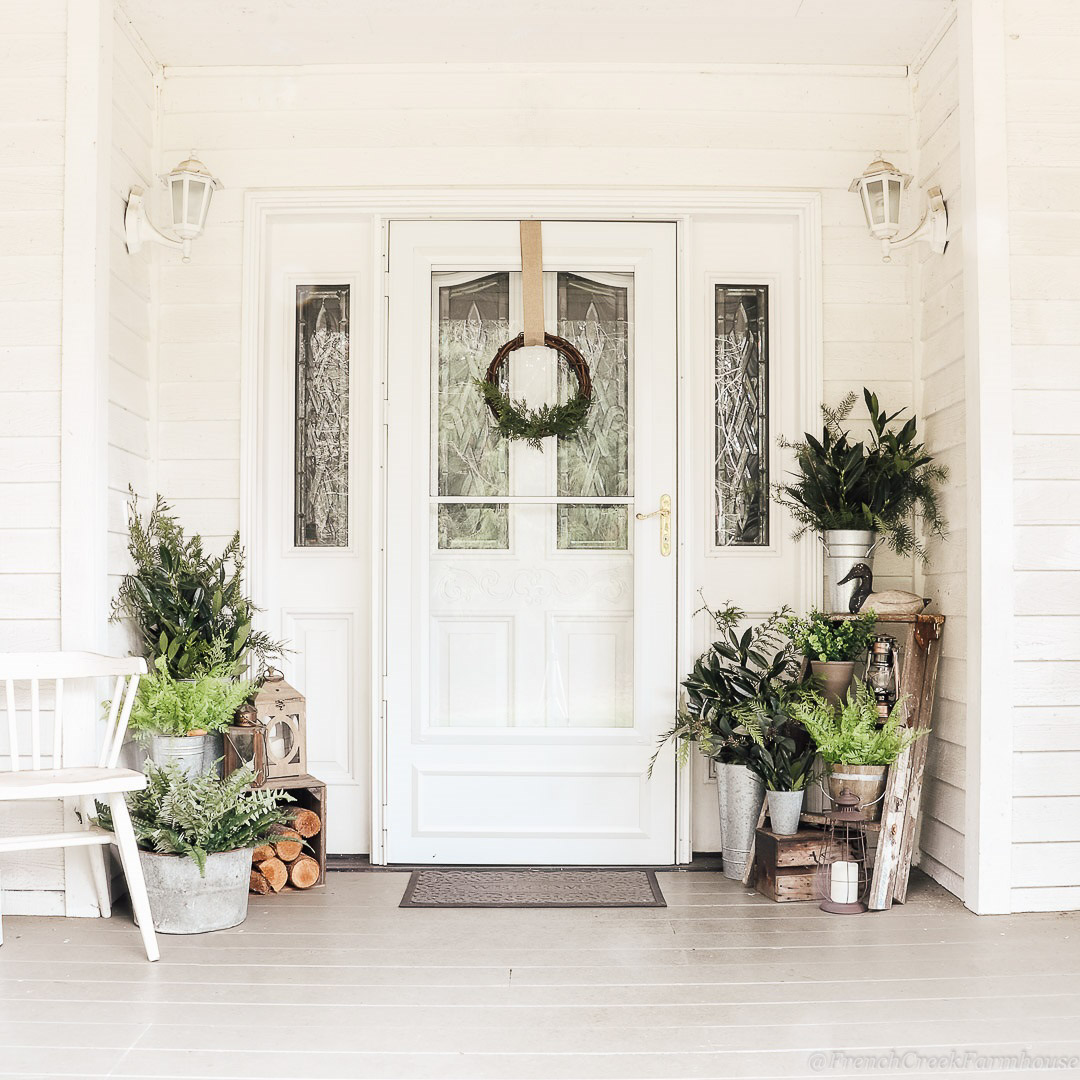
{"x": 881, "y": 191}
{"x": 283, "y": 715}
{"x": 245, "y": 744}
{"x": 883, "y": 674}
{"x": 842, "y": 879}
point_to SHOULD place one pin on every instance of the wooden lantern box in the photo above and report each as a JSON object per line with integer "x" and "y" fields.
{"x": 310, "y": 794}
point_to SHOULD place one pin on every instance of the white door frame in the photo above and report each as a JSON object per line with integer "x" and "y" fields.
{"x": 680, "y": 205}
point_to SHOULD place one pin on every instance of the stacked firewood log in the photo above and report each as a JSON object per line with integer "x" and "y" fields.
{"x": 281, "y": 861}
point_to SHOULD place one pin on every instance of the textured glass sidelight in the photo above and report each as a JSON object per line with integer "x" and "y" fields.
{"x": 595, "y": 316}
{"x": 472, "y": 458}
{"x": 322, "y": 416}
{"x": 742, "y": 418}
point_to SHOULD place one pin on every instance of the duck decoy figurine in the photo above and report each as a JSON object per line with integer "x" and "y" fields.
{"x": 886, "y": 602}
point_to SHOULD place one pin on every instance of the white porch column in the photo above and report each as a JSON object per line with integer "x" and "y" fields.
{"x": 988, "y": 350}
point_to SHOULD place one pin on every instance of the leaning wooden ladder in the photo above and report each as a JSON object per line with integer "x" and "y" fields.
{"x": 918, "y": 638}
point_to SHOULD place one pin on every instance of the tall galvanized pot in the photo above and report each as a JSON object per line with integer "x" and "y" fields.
{"x": 740, "y": 794}
{"x": 190, "y": 752}
{"x": 184, "y": 902}
{"x": 843, "y": 549}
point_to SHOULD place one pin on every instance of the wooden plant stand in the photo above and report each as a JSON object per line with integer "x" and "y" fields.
{"x": 918, "y": 638}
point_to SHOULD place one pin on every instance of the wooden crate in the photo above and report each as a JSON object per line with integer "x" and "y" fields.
{"x": 310, "y": 794}
{"x": 785, "y": 867}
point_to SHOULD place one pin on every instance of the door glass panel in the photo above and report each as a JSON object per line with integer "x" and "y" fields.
{"x": 471, "y": 458}
{"x": 321, "y": 490}
{"x": 531, "y": 601}
{"x": 742, "y": 417}
{"x": 594, "y": 314}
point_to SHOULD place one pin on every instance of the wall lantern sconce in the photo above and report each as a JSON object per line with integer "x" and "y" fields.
{"x": 191, "y": 187}
{"x": 881, "y": 189}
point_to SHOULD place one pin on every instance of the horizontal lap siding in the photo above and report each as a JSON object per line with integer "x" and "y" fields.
{"x": 131, "y": 285}
{"x": 1043, "y": 126}
{"x": 325, "y": 129}
{"x": 32, "y": 90}
{"x": 939, "y": 320}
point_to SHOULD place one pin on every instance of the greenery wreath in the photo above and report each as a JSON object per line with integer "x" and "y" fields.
{"x": 515, "y": 419}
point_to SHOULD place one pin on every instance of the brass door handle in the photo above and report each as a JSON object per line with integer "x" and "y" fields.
{"x": 664, "y": 514}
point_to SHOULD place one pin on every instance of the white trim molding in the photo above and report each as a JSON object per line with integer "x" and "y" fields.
{"x": 680, "y": 205}
{"x": 988, "y": 359}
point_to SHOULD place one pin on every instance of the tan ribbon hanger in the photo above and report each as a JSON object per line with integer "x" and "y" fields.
{"x": 532, "y": 282}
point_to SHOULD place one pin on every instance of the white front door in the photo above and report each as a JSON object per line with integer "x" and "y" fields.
{"x": 530, "y": 650}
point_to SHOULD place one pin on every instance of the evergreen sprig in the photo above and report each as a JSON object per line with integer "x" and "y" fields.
{"x": 178, "y": 814}
{"x": 515, "y": 420}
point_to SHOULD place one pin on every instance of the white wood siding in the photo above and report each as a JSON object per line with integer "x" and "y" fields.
{"x": 939, "y": 346}
{"x": 132, "y": 280}
{"x": 32, "y": 88}
{"x": 1043, "y": 118}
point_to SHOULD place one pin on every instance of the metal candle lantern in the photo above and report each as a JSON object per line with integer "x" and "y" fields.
{"x": 283, "y": 715}
{"x": 842, "y": 877}
{"x": 882, "y": 674}
{"x": 245, "y": 744}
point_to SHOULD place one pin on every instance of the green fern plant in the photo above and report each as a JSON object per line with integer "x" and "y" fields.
{"x": 177, "y": 814}
{"x": 168, "y": 706}
{"x": 849, "y": 734}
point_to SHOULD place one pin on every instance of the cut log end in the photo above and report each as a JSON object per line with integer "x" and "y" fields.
{"x": 304, "y": 872}
{"x": 286, "y": 842}
{"x": 305, "y": 822}
{"x": 275, "y": 872}
{"x": 259, "y": 884}
{"x": 261, "y": 854}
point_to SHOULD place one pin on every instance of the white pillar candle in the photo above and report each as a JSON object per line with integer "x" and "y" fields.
{"x": 844, "y": 883}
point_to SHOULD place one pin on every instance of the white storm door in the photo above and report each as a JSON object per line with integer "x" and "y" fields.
{"x": 530, "y": 615}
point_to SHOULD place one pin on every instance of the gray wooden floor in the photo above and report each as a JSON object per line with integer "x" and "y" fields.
{"x": 341, "y": 983}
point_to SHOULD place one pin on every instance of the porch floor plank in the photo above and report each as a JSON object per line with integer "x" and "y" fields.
{"x": 720, "y": 983}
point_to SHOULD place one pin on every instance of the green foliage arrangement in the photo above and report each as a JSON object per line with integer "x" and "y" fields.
{"x": 785, "y": 757}
{"x": 515, "y": 420}
{"x": 176, "y": 814}
{"x": 848, "y": 734}
{"x": 189, "y": 607}
{"x": 753, "y": 669}
{"x": 168, "y": 706}
{"x": 819, "y": 637}
{"x": 884, "y": 485}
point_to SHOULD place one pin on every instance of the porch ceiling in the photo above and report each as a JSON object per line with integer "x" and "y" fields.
{"x": 208, "y": 33}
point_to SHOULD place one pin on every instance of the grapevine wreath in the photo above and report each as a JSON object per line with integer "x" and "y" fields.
{"x": 516, "y": 420}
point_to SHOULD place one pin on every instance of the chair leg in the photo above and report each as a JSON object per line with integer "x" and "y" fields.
{"x": 129, "y": 857}
{"x": 97, "y": 864}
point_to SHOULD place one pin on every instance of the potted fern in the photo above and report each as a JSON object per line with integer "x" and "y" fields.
{"x": 858, "y": 494}
{"x": 857, "y": 751}
{"x": 177, "y": 719}
{"x": 754, "y": 667}
{"x": 196, "y": 835}
{"x": 831, "y": 646}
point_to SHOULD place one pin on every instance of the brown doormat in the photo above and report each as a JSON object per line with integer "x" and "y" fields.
{"x": 533, "y": 889}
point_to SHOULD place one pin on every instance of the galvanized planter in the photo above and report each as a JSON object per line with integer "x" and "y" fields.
{"x": 183, "y": 902}
{"x": 843, "y": 549}
{"x": 195, "y": 754}
{"x": 740, "y": 794}
{"x": 784, "y": 810}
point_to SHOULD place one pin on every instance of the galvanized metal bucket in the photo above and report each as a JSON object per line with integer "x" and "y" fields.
{"x": 740, "y": 794}
{"x": 183, "y": 902}
{"x": 193, "y": 753}
{"x": 843, "y": 549}
{"x": 784, "y": 810}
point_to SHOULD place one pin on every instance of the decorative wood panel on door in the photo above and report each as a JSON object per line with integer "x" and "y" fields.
{"x": 530, "y": 615}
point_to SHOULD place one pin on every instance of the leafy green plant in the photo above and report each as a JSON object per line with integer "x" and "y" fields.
{"x": 819, "y": 637}
{"x": 189, "y": 607}
{"x": 756, "y": 666}
{"x": 168, "y": 706}
{"x": 515, "y": 420}
{"x": 848, "y": 734}
{"x": 887, "y": 485}
{"x": 785, "y": 754}
{"x": 177, "y": 814}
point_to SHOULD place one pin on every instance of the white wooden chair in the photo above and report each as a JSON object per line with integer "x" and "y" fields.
{"x": 64, "y": 779}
